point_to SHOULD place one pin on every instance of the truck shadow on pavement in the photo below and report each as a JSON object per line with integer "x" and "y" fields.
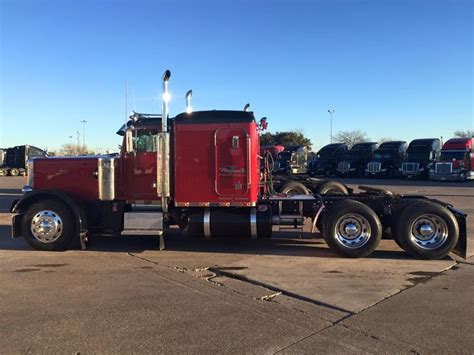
{"x": 279, "y": 246}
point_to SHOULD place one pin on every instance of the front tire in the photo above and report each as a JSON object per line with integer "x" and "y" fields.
{"x": 14, "y": 172}
{"x": 352, "y": 229}
{"x": 427, "y": 230}
{"x": 49, "y": 225}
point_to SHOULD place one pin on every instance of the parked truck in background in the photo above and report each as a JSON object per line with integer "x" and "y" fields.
{"x": 293, "y": 160}
{"x": 356, "y": 159}
{"x": 387, "y": 160}
{"x": 13, "y": 161}
{"x": 327, "y": 159}
{"x": 422, "y": 154}
{"x": 456, "y": 162}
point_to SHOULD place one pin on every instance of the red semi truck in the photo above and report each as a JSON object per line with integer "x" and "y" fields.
{"x": 200, "y": 171}
{"x": 456, "y": 161}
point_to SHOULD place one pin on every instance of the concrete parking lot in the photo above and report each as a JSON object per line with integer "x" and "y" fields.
{"x": 290, "y": 294}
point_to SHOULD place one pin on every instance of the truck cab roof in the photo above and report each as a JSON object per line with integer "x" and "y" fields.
{"x": 139, "y": 120}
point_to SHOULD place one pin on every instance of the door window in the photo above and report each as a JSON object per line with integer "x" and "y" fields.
{"x": 144, "y": 140}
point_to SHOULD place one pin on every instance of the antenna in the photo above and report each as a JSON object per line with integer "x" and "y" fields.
{"x": 134, "y": 108}
{"x": 247, "y": 107}
{"x": 126, "y": 102}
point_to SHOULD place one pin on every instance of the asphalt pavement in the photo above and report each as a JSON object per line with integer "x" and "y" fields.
{"x": 290, "y": 294}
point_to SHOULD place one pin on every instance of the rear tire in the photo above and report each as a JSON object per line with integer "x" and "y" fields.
{"x": 3, "y": 172}
{"x": 427, "y": 230}
{"x": 331, "y": 188}
{"x": 49, "y": 225}
{"x": 294, "y": 188}
{"x": 351, "y": 229}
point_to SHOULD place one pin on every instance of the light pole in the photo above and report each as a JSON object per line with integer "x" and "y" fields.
{"x": 331, "y": 112}
{"x": 84, "y": 133}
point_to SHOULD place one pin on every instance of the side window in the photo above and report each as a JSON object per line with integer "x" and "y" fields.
{"x": 144, "y": 140}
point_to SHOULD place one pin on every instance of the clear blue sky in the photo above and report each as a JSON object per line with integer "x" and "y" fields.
{"x": 399, "y": 69}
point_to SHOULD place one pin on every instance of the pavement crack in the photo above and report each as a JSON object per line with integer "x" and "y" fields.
{"x": 268, "y": 298}
{"x": 279, "y": 290}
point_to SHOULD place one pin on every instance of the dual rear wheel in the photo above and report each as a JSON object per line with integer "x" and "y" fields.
{"x": 423, "y": 229}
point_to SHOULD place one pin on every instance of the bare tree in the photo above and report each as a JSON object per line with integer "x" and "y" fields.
{"x": 73, "y": 149}
{"x": 464, "y": 134}
{"x": 351, "y": 137}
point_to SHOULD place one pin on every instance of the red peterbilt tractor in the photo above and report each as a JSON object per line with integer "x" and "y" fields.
{"x": 456, "y": 161}
{"x": 200, "y": 171}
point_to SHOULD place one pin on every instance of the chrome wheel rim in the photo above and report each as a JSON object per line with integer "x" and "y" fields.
{"x": 429, "y": 232}
{"x": 353, "y": 230}
{"x": 46, "y": 226}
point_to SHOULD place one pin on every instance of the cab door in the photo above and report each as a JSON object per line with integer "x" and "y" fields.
{"x": 139, "y": 166}
{"x": 231, "y": 162}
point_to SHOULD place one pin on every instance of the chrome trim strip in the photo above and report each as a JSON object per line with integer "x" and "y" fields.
{"x": 206, "y": 223}
{"x": 253, "y": 223}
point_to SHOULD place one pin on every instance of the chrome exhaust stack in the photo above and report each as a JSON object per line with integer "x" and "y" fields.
{"x": 189, "y": 95}
{"x": 163, "y": 149}
{"x": 166, "y": 99}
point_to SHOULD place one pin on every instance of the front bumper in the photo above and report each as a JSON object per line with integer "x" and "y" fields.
{"x": 452, "y": 177}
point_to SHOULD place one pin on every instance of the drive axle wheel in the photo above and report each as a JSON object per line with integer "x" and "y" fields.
{"x": 49, "y": 225}
{"x": 331, "y": 188}
{"x": 294, "y": 188}
{"x": 352, "y": 229}
{"x": 427, "y": 230}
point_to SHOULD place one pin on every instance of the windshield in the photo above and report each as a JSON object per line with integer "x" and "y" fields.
{"x": 354, "y": 154}
{"x": 447, "y": 156}
{"x": 326, "y": 152}
{"x": 418, "y": 156}
{"x": 284, "y": 156}
{"x": 383, "y": 155}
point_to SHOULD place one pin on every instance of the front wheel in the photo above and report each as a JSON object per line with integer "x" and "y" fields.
{"x": 14, "y": 172}
{"x": 427, "y": 230}
{"x": 49, "y": 225}
{"x": 351, "y": 229}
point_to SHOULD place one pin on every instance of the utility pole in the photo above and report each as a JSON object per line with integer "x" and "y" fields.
{"x": 78, "y": 142}
{"x": 84, "y": 133}
{"x": 331, "y": 112}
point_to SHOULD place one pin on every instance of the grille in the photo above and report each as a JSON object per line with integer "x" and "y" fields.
{"x": 443, "y": 168}
{"x": 343, "y": 166}
{"x": 374, "y": 167}
{"x": 410, "y": 167}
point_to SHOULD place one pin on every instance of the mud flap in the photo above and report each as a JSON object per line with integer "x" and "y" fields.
{"x": 16, "y": 225}
{"x": 461, "y": 247}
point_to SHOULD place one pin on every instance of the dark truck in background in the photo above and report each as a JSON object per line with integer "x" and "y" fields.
{"x": 387, "y": 160}
{"x": 292, "y": 161}
{"x": 421, "y": 155}
{"x": 327, "y": 158}
{"x": 356, "y": 159}
{"x": 13, "y": 161}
